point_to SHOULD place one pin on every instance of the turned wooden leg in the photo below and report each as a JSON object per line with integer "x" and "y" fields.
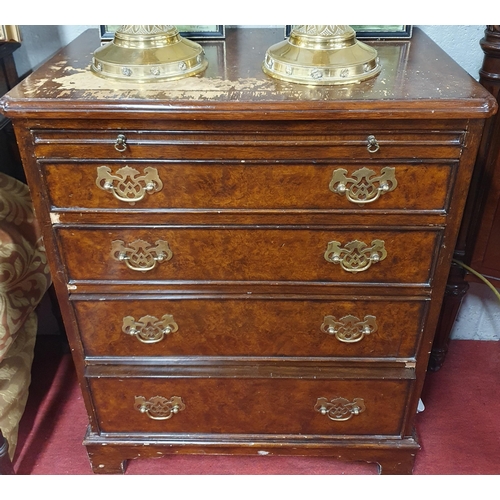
{"x": 5, "y": 463}
{"x": 455, "y": 292}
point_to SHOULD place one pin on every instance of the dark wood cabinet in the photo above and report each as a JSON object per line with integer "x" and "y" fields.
{"x": 221, "y": 293}
{"x": 478, "y": 245}
{"x": 486, "y": 250}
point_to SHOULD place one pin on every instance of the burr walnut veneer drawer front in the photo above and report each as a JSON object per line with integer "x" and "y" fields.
{"x": 250, "y": 326}
{"x": 261, "y": 406}
{"x": 340, "y": 186}
{"x": 236, "y": 253}
{"x": 261, "y": 141}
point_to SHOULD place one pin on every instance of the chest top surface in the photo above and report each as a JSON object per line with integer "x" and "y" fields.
{"x": 418, "y": 80}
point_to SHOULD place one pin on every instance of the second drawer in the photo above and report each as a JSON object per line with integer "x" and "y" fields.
{"x": 249, "y": 254}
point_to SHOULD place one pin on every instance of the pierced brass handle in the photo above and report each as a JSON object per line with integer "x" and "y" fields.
{"x": 141, "y": 255}
{"x": 340, "y": 409}
{"x": 372, "y": 144}
{"x": 356, "y": 256}
{"x": 158, "y": 407}
{"x": 121, "y": 143}
{"x": 364, "y": 185}
{"x": 127, "y": 184}
{"x": 149, "y": 329}
{"x": 349, "y": 329}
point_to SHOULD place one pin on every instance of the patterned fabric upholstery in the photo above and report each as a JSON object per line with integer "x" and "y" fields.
{"x": 24, "y": 279}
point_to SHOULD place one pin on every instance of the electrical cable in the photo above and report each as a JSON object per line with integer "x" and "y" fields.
{"x": 480, "y": 276}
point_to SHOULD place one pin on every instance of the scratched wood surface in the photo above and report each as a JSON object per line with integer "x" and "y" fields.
{"x": 415, "y": 71}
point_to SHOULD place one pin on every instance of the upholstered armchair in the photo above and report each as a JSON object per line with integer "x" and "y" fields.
{"x": 24, "y": 279}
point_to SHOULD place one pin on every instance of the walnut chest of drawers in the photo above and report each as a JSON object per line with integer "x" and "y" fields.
{"x": 247, "y": 266}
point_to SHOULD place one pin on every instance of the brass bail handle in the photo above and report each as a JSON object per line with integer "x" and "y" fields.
{"x": 363, "y": 185}
{"x": 149, "y": 329}
{"x": 349, "y": 329}
{"x": 158, "y": 407}
{"x": 340, "y": 409}
{"x": 128, "y": 184}
{"x": 125, "y": 258}
{"x": 356, "y": 256}
{"x": 140, "y": 255}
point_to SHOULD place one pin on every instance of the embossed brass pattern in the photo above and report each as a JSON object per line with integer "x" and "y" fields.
{"x": 322, "y": 55}
{"x": 158, "y": 407}
{"x": 128, "y": 184}
{"x": 141, "y": 255}
{"x": 149, "y": 329}
{"x": 340, "y": 409}
{"x": 349, "y": 329}
{"x": 356, "y": 256}
{"x": 364, "y": 185}
{"x": 148, "y": 53}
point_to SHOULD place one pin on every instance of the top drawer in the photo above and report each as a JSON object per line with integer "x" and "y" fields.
{"x": 337, "y": 186}
{"x": 260, "y": 143}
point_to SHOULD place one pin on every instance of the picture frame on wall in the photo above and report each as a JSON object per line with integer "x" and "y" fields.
{"x": 210, "y": 31}
{"x": 392, "y": 31}
{"x": 381, "y": 31}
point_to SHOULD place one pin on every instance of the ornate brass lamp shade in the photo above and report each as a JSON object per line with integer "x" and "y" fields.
{"x": 322, "y": 55}
{"x": 145, "y": 53}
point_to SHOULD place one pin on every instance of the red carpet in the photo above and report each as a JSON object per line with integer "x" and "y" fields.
{"x": 459, "y": 430}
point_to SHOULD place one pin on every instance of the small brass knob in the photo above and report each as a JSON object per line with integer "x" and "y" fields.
{"x": 121, "y": 143}
{"x": 373, "y": 146}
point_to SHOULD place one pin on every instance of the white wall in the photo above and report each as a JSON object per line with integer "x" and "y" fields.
{"x": 461, "y": 42}
{"x": 479, "y": 316}
{"x": 40, "y": 42}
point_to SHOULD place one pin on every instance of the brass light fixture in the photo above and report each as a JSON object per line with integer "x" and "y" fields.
{"x": 146, "y": 53}
{"x": 321, "y": 55}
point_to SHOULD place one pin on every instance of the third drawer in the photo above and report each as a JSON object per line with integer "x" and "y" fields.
{"x": 366, "y": 327}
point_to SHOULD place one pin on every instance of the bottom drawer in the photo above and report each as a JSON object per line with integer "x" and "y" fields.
{"x": 244, "y": 406}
